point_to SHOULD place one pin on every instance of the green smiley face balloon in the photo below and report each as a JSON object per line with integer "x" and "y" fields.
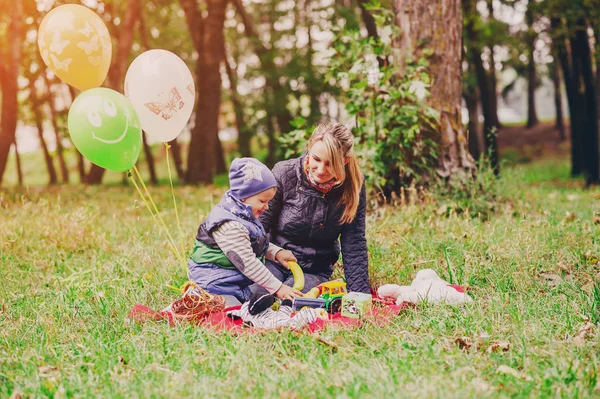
{"x": 105, "y": 128}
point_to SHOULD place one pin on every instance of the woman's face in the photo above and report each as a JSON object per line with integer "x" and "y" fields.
{"x": 319, "y": 163}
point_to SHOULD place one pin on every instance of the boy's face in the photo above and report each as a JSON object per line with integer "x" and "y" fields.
{"x": 260, "y": 202}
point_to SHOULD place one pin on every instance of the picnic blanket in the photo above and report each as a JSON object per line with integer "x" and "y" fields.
{"x": 382, "y": 312}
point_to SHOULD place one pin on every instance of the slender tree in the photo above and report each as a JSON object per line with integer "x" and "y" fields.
{"x": 531, "y": 38}
{"x": 10, "y": 59}
{"x": 208, "y": 38}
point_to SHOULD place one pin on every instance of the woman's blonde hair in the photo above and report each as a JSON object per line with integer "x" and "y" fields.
{"x": 340, "y": 144}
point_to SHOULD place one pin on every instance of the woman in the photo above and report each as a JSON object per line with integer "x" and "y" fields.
{"x": 318, "y": 211}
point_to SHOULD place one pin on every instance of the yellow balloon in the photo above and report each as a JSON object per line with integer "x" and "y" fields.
{"x": 75, "y": 44}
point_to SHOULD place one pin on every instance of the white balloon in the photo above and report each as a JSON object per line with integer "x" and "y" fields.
{"x": 161, "y": 88}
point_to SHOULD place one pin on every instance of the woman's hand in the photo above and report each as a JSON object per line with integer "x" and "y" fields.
{"x": 287, "y": 292}
{"x": 284, "y": 256}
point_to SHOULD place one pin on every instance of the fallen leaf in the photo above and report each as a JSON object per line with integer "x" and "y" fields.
{"x": 582, "y": 333}
{"x": 498, "y": 346}
{"x": 464, "y": 343}
{"x": 588, "y": 287}
{"x": 563, "y": 266}
{"x": 569, "y": 217}
{"x": 504, "y": 369}
{"x": 552, "y": 279}
{"x": 596, "y": 219}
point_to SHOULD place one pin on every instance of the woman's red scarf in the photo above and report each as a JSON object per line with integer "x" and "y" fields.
{"x": 321, "y": 187}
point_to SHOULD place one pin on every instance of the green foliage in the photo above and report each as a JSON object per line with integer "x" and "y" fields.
{"x": 392, "y": 123}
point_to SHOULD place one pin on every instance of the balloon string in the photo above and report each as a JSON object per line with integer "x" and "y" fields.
{"x": 172, "y": 246}
{"x": 167, "y": 147}
{"x": 161, "y": 219}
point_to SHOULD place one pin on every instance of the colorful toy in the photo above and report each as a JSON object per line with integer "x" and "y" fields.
{"x": 327, "y": 295}
{"x": 301, "y": 302}
{"x": 356, "y": 304}
{"x": 332, "y": 292}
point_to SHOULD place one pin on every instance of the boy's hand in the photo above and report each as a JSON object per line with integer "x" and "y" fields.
{"x": 284, "y": 256}
{"x": 287, "y": 292}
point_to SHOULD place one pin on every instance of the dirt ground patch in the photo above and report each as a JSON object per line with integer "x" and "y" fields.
{"x": 519, "y": 144}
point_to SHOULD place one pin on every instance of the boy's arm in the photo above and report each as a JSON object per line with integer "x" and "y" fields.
{"x": 272, "y": 251}
{"x": 233, "y": 239}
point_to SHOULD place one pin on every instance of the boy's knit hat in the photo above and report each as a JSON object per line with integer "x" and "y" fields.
{"x": 248, "y": 176}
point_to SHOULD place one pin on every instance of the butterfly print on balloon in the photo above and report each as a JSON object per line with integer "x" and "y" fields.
{"x": 166, "y": 111}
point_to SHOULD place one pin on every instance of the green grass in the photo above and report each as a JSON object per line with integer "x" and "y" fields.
{"x": 76, "y": 259}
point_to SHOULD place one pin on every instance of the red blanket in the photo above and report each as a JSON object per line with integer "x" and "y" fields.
{"x": 381, "y": 313}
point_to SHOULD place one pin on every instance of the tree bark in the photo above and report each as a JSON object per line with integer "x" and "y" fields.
{"x": 119, "y": 67}
{"x": 9, "y": 72}
{"x": 532, "y": 118}
{"x": 582, "y": 55}
{"x": 559, "y": 120}
{"x": 202, "y": 158}
{"x": 437, "y": 25}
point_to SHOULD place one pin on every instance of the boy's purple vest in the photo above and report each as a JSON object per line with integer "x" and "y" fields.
{"x": 231, "y": 208}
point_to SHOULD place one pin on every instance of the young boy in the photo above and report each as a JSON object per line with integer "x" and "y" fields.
{"x": 231, "y": 243}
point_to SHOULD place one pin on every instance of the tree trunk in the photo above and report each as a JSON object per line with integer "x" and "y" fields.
{"x": 220, "y": 154}
{"x": 532, "y": 119}
{"x": 119, "y": 67}
{"x": 9, "y": 72}
{"x": 64, "y": 170}
{"x": 244, "y": 134}
{"x": 581, "y": 53}
{"x": 573, "y": 100}
{"x": 18, "y": 163}
{"x": 33, "y": 98}
{"x": 437, "y": 25}
{"x": 475, "y": 143}
{"x": 492, "y": 73}
{"x": 149, "y": 159}
{"x": 146, "y": 47}
{"x": 80, "y": 160}
{"x": 559, "y": 120}
{"x": 176, "y": 151}
{"x": 202, "y": 159}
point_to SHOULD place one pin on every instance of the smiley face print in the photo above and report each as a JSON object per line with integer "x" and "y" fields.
{"x": 105, "y": 129}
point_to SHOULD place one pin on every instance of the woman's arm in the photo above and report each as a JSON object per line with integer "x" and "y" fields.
{"x": 355, "y": 254}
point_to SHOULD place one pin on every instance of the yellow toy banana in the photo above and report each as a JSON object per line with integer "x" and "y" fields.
{"x": 298, "y": 275}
